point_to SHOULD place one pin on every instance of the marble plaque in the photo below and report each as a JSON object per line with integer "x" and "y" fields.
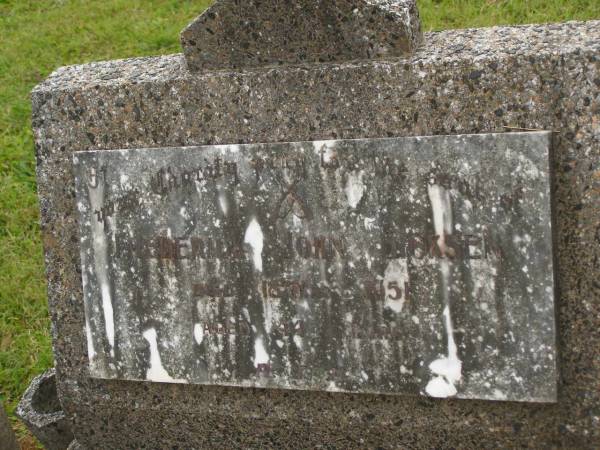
{"x": 395, "y": 266}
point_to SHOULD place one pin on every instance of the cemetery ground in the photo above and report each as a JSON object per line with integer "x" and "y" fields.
{"x": 37, "y": 37}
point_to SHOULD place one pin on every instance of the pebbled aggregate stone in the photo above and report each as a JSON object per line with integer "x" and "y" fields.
{"x": 256, "y": 33}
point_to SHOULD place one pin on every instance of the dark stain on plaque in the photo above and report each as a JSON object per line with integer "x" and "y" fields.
{"x": 404, "y": 265}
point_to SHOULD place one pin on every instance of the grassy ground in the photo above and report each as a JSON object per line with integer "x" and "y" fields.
{"x": 36, "y": 37}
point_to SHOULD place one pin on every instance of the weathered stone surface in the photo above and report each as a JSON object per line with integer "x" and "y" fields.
{"x": 8, "y": 441}
{"x": 75, "y": 445}
{"x": 40, "y": 410}
{"x": 470, "y": 81}
{"x": 235, "y": 34}
{"x": 408, "y": 265}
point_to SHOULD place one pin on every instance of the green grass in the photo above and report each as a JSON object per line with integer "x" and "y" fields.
{"x": 446, "y": 14}
{"x": 38, "y": 36}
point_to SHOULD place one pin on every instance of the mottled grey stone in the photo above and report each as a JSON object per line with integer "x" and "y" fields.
{"x": 405, "y": 265}
{"x": 8, "y": 441}
{"x": 460, "y": 82}
{"x": 75, "y": 445}
{"x": 40, "y": 411}
{"x": 235, "y": 34}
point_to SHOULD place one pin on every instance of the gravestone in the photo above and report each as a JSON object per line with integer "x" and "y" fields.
{"x": 324, "y": 145}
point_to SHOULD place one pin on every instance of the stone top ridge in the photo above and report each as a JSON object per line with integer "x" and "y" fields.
{"x": 233, "y": 34}
{"x": 470, "y": 46}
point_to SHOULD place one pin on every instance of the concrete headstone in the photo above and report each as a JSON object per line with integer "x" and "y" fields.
{"x": 458, "y": 82}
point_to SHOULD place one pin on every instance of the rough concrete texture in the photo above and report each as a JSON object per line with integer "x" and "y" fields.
{"x": 8, "y": 441}
{"x": 469, "y": 81}
{"x": 234, "y": 34}
{"x": 40, "y": 410}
